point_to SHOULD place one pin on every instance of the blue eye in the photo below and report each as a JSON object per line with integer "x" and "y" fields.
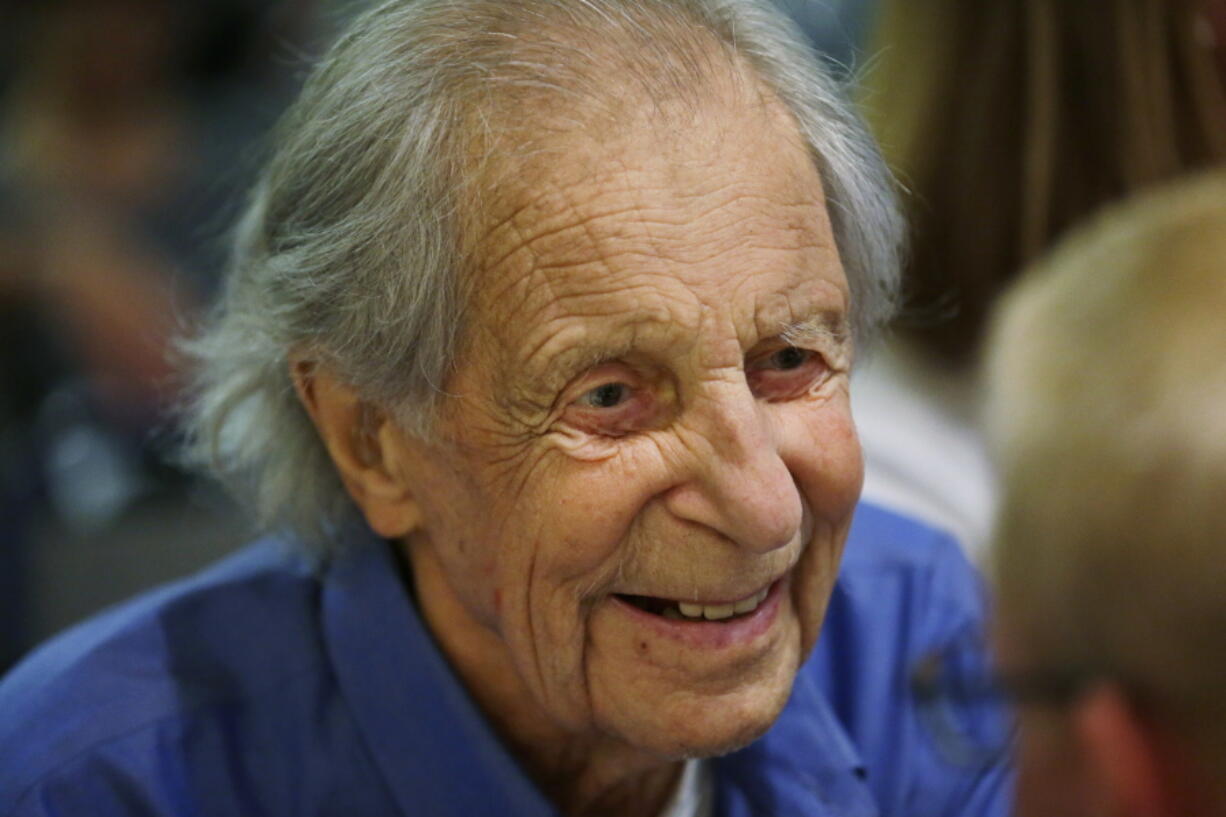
{"x": 607, "y": 396}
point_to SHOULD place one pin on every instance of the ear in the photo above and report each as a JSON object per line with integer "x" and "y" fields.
{"x": 369, "y": 452}
{"x": 1126, "y": 755}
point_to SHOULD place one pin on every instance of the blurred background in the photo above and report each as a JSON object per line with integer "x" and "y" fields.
{"x": 129, "y": 130}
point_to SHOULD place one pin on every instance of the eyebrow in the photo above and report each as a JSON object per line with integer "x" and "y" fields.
{"x": 578, "y": 359}
{"x": 828, "y": 325}
{"x": 824, "y": 326}
{"x": 545, "y": 377}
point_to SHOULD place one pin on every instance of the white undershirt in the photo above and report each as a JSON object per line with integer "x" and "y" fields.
{"x": 924, "y": 449}
{"x": 695, "y": 792}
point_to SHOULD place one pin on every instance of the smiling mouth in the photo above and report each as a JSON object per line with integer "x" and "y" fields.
{"x": 687, "y": 611}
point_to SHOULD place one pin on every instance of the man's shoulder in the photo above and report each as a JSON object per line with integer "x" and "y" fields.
{"x": 905, "y": 588}
{"x": 232, "y": 633}
{"x": 889, "y": 551}
{"x": 905, "y": 592}
{"x": 881, "y": 535}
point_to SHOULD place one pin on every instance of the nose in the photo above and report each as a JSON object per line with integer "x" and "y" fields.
{"x": 736, "y": 481}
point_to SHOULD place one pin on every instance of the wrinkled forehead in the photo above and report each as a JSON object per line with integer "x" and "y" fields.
{"x": 691, "y": 207}
{"x": 562, "y": 134}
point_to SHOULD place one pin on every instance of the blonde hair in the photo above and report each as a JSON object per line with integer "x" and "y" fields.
{"x": 1010, "y": 121}
{"x": 1107, "y": 408}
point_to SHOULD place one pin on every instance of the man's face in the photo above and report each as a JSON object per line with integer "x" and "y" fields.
{"x": 647, "y": 468}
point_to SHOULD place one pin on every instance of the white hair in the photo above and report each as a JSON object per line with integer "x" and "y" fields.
{"x": 351, "y": 245}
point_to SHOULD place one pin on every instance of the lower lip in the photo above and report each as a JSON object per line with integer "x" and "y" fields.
{"x": 715, "y": 634}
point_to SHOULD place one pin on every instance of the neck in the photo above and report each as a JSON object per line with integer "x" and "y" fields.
{"x": 589, "y": 773}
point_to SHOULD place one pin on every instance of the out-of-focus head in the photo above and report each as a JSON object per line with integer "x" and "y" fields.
{"x": 1107, "y": 373}
{"x": 570, "y": 291}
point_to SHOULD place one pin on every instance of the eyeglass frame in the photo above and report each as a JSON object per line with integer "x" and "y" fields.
{"x": 935, "y": 692}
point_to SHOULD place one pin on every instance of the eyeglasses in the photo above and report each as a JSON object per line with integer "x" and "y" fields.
{"x": 969, "y": 707}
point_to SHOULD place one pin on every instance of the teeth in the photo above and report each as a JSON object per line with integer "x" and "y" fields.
{"x": 716, "y": 612}
{"x": 745, "y": 605}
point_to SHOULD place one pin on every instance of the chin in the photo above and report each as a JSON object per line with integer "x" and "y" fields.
{"x": 723, "y": 740}
{"x": 709, "y": 726}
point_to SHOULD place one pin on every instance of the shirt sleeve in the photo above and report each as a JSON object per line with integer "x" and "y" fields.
{"x": 106, "y": 783}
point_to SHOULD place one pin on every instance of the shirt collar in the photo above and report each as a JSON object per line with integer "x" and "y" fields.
{"x": 805, "y": 764}
{"x": 432, "y": 745}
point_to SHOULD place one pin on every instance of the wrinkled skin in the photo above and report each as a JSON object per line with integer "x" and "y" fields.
{"x": 628, "y": 417}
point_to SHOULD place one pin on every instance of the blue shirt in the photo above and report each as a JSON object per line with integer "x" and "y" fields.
{"x": 270, "y": 686}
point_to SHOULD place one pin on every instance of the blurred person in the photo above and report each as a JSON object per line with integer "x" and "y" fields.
{"x": 534, "y": 357}
{"x": 1107, "y": 409}
{"x": 1008, "y": 122}
{"x": 108, "y": 129}
{"x": 80, "y": 300}
{"x": 92, "y": 134}
{"x": 121, "y": 133}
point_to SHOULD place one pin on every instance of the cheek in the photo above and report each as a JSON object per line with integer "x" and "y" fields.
{"x": 593, "y": 504}
{"x": 822, "y": 451}
{"x": 565, "y": 533}
{"x": 470, "y": 524}
{"x": 530, "y": 538}
{"x": 1050, "y": 774}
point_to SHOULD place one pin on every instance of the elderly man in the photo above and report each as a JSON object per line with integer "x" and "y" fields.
{"x": 537, "y": 339}
{"x": 1109, "y": 409}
